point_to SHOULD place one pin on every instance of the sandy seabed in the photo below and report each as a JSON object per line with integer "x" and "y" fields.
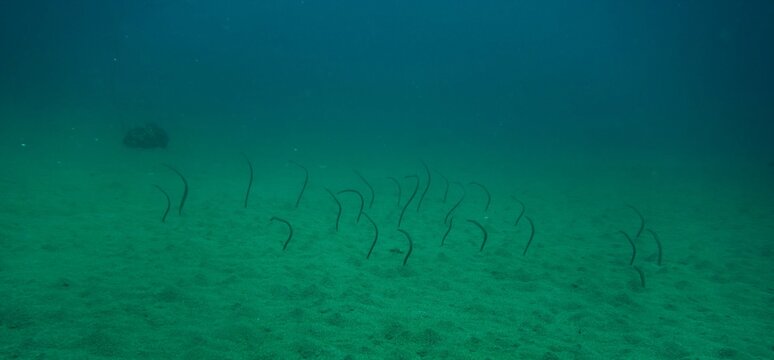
{"x": 88, "y": 270}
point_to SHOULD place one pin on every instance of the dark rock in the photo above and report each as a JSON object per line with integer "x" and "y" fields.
{"x": 146, "y": 137}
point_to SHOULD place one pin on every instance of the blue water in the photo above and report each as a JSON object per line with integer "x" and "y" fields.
{"x": 683, "y": 75}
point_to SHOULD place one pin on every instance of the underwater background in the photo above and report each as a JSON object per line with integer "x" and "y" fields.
{"x": 548, "y": 179}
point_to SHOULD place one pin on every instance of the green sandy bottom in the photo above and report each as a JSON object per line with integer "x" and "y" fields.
{"x": 87, "y": 269}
